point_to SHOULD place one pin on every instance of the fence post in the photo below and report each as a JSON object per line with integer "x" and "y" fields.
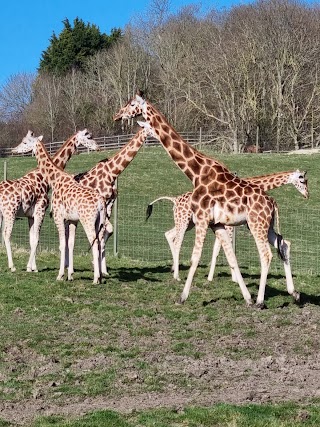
{"x": 115, "y": 222}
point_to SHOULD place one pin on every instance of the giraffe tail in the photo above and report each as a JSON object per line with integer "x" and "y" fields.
{"x": 105, "y": 228}
{"x": 150, "y": 205}
{"x": 281, "y": 246}
{"x": 97, "y": 236}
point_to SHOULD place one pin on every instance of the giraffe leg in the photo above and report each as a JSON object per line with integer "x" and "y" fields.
{"x": 96, "y": 248}
{"x": 285, "y": 251}
{"x": 230, "y": 231}
{"x": 170, "y": 236}
{"x": 224, "y": 237}
{"x": 265, "y": 260}
{"x": 6, "y": 233}
{"x": 103, "y": 240}
{"x": 201, "y": 231}
{"x": 33, "y": 246}
{"x": 62, "y": 245}
{"x": 66, "y": 254}
{"x": 92, "y": 232}
{"x": 215, "y": 253}
{"x": 72, "y": 227}
{"x": 265, "y": 257}
{"x": 175, "y": 243}
{"x": 35, "y": 224}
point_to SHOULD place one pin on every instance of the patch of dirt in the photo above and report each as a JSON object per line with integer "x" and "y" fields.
{"x": 278, "y": 362}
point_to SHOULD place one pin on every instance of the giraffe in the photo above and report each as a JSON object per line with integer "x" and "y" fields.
{"x": 183, "y": 213}
{"x": 102, "y": 177}
{"x": 219, "y": 198}
{"x": 72, "y": 202}
{"x": 28, "y": 196}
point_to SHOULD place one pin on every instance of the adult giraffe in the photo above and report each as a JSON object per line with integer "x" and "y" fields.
{"x": 103, "y": 175}
{"x": 71, "y": 201}
{"x": 28, "y": 196}
{"x": 182, "y": 213}
{"x": 219, "y": 198}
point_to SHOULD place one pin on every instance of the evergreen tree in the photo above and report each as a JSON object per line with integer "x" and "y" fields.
{"x": 74, "y": 45}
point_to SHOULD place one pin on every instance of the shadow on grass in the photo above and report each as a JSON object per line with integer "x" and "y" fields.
{"x": 270, "y": 291}
{"x": 136, "y": 273}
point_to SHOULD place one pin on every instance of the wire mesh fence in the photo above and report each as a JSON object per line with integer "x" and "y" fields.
{"x": 145, "y": 241}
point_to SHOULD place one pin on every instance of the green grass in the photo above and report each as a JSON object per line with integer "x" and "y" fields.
{"x": 285, "y": 415}
{"x": 152, "y": 174}
{"x": 63, "y": 343}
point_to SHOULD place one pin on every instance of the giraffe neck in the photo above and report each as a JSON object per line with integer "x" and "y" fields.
{"x": 64, "y": 153}
{"x": 187, "y": 158}
{"x": 120, "y": 160}
{"x": 46, "y": 166}
{"x": 270, "y": 181}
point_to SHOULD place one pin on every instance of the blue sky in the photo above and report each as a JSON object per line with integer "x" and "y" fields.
{"x": 26, "y": 26}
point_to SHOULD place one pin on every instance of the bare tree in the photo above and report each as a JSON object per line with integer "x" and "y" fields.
{"x": 46, "y": 108}
{"x": 15, "y": 96}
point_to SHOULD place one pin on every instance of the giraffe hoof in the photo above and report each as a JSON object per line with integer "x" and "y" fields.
{"x": 180, "y": 301}
{"x": 177, "y": 279}
{"x": 296, "y": 296}
{"x": 13, "y": 269}
{"x": 29, "y": 269}
{"x": 249, "y": 303}
{"x": 260, "y": 306}
{"x": 60, "y": 278}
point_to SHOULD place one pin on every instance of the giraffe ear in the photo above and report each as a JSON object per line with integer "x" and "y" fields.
{"x": 40, "y": 138}
{"x": 140, "y": 93}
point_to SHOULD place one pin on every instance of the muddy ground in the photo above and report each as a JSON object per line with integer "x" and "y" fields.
{"x": 279, "y": 362}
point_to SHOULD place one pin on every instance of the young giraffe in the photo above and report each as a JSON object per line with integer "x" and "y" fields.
{"x": 219, "y": 198}
{"x": 183, "y": 214}
{"x": 72, "y": 202}
{"x": 28, "y": 196}
{"x": 102, "y": 178}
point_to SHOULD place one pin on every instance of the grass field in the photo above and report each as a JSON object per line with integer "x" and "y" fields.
{"x": 123, "y": 354}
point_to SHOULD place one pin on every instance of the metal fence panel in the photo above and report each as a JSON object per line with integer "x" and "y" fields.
{"x": 145, "y": 241}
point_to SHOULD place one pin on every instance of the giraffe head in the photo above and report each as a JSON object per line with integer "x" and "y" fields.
{"x": 299, "y": 180}
{"x": 148, "y": 129}
{"x": 84, "y": 137}
{"x": 134, "y": 107}
{"x": 27, "y": 144}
